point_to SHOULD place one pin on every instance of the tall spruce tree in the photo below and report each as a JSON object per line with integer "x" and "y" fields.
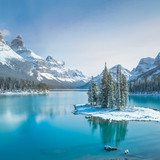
{"x": 110, "y": 91}
{"x": 104, "y": 88}
{"x": 126, "y": 91}
{"x": 94, "y": 92}
{"x": 118, "y": 92}
{"x": 90, "y": 99}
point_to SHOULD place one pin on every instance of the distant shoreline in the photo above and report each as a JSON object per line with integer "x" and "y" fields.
{"x": 145, "y": 94}
{"x": 68, "y": 89}
{"x": 23, "y": 93}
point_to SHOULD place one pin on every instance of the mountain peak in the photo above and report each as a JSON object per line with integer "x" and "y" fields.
{"x": 125, "y": 71}
{"x": 50, "y": 59}
{"x": 146, "y": 60}
{"x": 19, "y": 37}
{"x": 1, "y": 37}
{"x": 17, "y": 43}
{"x": 53, "y": 62}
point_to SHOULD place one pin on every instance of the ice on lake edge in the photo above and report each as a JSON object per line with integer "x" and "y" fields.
{"x": 130, "y": 113}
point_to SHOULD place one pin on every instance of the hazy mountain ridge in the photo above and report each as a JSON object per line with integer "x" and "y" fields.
{"x": 16, "y": 60}
{"x": 19, "y": 62}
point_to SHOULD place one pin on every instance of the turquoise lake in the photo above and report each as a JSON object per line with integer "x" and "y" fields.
{"x": 43, "y": 127}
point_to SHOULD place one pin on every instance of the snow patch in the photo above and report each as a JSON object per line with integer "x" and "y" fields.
{"x": 128, "y": 114}
{"x": 6, "y": 53}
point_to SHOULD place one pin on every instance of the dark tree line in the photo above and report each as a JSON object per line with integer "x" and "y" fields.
{"x": 145, "y": 86}
{"x": 11, "y": 84}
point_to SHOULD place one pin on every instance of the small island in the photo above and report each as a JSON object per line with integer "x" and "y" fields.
{"x": 108, "y": 101}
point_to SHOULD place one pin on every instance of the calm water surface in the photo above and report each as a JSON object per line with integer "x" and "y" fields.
{"x": 44, "y": 127}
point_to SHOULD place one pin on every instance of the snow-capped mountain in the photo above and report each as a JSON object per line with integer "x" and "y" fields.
{"x": 125, "y": 71}
{"x": 113, "y": 71}
{"x": 46, "y": 70}
{"x": 19, "y": 47}
{"x": 144, "y": 65}
{"x": 61, "y": 73}
{"x": 12, "y": 64}
{"x": 150, "y": 69}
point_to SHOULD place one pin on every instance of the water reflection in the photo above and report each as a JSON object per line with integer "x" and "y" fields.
{"x": 113, "y": 132}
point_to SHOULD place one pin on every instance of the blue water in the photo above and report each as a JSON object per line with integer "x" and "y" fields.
{"x": 43, "y": 127}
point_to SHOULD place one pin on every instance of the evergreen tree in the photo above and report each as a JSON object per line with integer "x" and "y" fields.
{"x": 110, "y": 91}
{"x": 100, "y": 95}
{"x": 104, "y": 88}
{"x": 118, "y": 92}
{"x": 94, "y": 92}
{"x": 90, "y": 99}
{"x": 124, "y": 91}
{"x": 9, "y": 84}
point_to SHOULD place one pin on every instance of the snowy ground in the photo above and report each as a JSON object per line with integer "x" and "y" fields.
{"x": 23, "y": 92}
{"x": 127, "y": 114}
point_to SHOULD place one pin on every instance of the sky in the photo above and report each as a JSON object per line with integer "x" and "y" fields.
{"x": 85, "y": 33}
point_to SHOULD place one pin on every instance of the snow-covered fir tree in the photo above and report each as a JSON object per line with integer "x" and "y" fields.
{"x": 118, "y": 91}
{"x": 93, "y": 92}
{"x": 90, "y": 99}
{"x": 9, "y": 84}
{"x": 111, "y": 92}
{"x": 104, "y": 88}
{"x": 124, "y": 91}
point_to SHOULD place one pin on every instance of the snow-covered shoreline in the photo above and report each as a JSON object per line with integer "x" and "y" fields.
{"x": 24, "y": 93}
{"x": 128, "y": 114}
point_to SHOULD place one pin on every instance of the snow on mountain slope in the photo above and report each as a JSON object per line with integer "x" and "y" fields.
{"x": 125, "y": 71}
{"x": 58, "y": 70}
{"x": 147, "y": 67}
{"x": 54, "y": 63}
{"x": 19, "y": 47}
{"x": 49, "y": 69}
{"x": 12, "y": 64}
{"x": 143, "y": 66}
{"x": 6, "y": 54}
{"x": 157, "y": 60}
{"x": 113, "y": 71}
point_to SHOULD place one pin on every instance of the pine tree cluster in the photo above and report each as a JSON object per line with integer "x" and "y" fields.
{"x": 145, "y": 86}
{"x": 10, "y": 84}
{"x": 110, "y": 92}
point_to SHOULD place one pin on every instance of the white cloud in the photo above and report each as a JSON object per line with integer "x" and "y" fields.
{"x": 5, "y": 32}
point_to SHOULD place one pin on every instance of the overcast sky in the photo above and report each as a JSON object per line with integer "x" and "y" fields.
{"x": 85, "y": 33}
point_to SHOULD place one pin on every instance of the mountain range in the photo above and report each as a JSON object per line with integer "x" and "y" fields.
{"x": 146, "y": 68}
{"x": 17, "y": 61}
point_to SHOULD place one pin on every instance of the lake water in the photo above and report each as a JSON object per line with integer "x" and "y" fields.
{"x": 43, "y": 127}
